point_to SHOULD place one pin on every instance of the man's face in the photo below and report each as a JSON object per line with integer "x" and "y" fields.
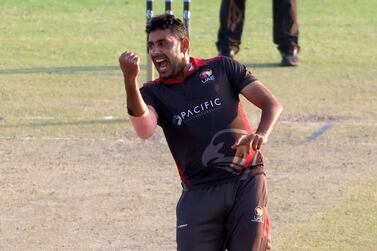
{"x": 167, "y": 53}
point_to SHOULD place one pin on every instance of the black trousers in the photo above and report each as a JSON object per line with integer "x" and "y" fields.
{"x": 232, "y": 16}
{"x": 231, "y": 216}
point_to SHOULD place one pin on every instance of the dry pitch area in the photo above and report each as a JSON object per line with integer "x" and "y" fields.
{"x": 119, "y": 193}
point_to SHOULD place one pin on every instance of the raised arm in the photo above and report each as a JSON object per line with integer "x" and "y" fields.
{"x": 143, "y": 117}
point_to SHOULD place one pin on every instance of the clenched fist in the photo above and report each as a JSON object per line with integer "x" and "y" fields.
{"x": 130, "y": 65}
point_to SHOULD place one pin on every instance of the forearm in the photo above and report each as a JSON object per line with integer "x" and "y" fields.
{"x": 143, "y": 118}
{"x": 135, "y": 102}
{"x": 271, "y": 108}
{"x": 271, "y": 111}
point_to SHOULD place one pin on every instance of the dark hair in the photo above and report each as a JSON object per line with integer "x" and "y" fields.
{"x": 167, "y": 21}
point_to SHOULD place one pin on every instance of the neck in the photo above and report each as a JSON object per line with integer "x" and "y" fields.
{"x": 185, "y": 67}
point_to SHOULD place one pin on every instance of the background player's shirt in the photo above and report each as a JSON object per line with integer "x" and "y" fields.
{"x": 202, "y": 118}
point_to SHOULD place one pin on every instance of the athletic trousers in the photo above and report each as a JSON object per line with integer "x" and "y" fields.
{"x": 231, "y": 216}
{"x": 232, "y": 16}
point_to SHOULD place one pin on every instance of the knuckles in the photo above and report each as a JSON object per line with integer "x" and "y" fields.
{"x": 128, "y": 58}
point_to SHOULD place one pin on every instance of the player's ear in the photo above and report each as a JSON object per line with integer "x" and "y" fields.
{"x": 185, "y": 45}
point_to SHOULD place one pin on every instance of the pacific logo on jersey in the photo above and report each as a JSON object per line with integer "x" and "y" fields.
{"x": 197, "y": 110}
{"x": 206, "y": 75}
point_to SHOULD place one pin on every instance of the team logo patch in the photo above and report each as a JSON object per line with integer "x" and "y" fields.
{"x": 258, "y": 215}
{"x": 206, "y": 75}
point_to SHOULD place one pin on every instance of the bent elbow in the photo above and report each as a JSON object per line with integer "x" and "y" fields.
{"x": 274, "y": 106}
{"x": 144, "y": 125}
{"x": 144, "y": 134}
{"x": 279, "y": 107}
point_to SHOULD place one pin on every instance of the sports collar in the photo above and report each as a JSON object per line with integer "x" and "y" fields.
{"x": 195, "y": 64}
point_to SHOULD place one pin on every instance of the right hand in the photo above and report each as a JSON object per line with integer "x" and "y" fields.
{"x": 130, "y": 65}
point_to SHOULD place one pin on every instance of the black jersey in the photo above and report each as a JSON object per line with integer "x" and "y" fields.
{"x": 202, "y": 118}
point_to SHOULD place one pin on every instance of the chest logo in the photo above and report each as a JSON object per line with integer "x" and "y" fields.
{"x": 177, "y": 120}
{"x": 206, "y": 75}
{"x": 196, "y": 111}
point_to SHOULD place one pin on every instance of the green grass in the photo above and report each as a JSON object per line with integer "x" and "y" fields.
{"x": 337, "y": 77}
{"x": 349, "y": 226}
{"x": 335, "y": 84}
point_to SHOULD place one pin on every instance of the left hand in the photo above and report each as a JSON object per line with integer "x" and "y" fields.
{"x": 254, "y": 140}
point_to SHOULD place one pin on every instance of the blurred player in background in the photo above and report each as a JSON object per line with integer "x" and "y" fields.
{"x": 285, "y": 29}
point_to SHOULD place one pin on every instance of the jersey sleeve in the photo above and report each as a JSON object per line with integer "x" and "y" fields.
{"x": 151, "y": 100}
{"x": 148, "y": 97}
{"x": 238, "y": 75}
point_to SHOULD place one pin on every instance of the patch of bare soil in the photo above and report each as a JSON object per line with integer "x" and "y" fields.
{"x": 120, "y": 193}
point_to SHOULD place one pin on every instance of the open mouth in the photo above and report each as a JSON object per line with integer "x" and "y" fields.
{"x": 161, "y": 64}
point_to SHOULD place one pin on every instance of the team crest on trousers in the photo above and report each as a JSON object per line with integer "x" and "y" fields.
{"x": 258, "y": 215}
{"x": 206, "y": 75}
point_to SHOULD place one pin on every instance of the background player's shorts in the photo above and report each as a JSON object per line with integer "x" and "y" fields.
{"x": 231, "y": 216}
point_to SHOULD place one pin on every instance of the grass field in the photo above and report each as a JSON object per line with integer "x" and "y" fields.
{"x": 70, "y": 171}
{"x": 349, "y": 226}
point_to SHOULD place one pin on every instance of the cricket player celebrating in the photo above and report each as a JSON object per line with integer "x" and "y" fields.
{"x": 196, "y": 102}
